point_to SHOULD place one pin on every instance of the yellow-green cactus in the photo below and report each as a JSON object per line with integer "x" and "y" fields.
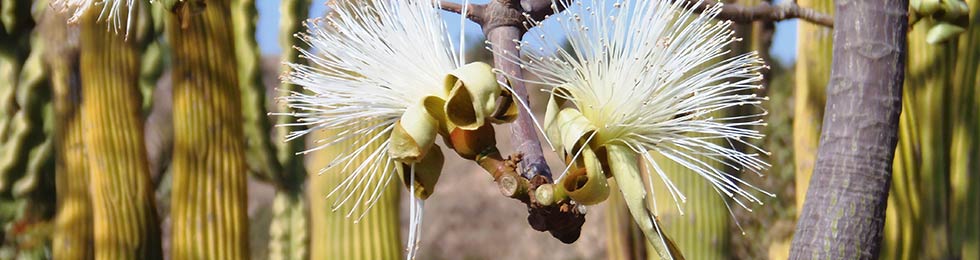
{"x": 931, "y": 213}
{"x": 209, "y": 170}
{"x": 375, "y": 235}
{"x": 812, "y": 74}
{"x": 125, "y": 225}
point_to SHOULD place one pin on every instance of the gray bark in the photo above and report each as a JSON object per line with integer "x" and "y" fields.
{"x": 844, "y": 212}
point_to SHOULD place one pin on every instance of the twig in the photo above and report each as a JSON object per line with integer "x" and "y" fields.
{"x": 734, "y": 12}
{"x": 764, "y": 12}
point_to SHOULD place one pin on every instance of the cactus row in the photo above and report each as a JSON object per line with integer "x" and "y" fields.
{"x": 931, "y": 213}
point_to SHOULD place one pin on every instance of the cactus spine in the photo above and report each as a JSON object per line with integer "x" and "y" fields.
{"x": 209, "y": 169}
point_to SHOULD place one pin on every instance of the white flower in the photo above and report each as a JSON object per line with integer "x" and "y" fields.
{"x": 112, "y": 11}
{"x": 650, "y": 77}
{"x": 369, "y": 64}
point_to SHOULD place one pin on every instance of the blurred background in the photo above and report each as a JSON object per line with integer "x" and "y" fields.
{"x": 69, "y": 150}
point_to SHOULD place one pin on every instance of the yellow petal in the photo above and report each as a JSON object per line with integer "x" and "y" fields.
{"x": 586, "y": 184}
{"x": 427, "y": 172}
{"x": 413, "y": 135}
{"x": 473, "y": 95}
{"x": 573, "y": 129}
{"x": 511, "y": 112}
{"x": 436, "y": 108}
{"x": 624, "y": 165}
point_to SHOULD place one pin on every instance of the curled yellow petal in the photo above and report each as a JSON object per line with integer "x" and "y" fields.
{"x": 413, "y": 135}
{"x": 427, "y": 172}
{"x": 551, "y": 116}
{"x": 573, "y": 129}
{"x": 586, "y": 183}
{"x": 473, "y": 95}
{"x": 624, "y": 165}
{"x": 509, "y": 113}
{"x": 436, "y": 108}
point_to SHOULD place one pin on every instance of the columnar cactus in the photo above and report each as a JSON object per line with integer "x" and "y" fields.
{"x": 931, "y": 211}
{"x": 209, "y": 170}
{"x": 812, "y": 74}
{"x": 376, "y": 235}
{"x": 126, "y": 225}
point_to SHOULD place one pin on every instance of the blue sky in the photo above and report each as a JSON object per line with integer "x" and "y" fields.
{"x": 783, "y": 46}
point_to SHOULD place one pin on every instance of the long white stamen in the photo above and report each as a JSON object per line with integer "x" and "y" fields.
{"x": 367, "y": 63}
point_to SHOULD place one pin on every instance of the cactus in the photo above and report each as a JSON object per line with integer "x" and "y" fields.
{"x": 625, "y": 239}
{"x": 72, "y": 237}
{"x": 293, "y": 12}
{"x": 126, "y": 225}
{"x": 931, "y": 211}
{"x": 375, "y": 236}
{"x": 209, "y": 168}
{"x": 964, "y": 168}
{"x": 261, "y": 155}
{"x": 812, "y": 74}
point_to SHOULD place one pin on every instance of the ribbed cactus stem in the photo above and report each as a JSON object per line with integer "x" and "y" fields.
{"x": 261, "y": 153}
{"x": 293, "y": 13}
{"x": 965, "y": 153}
{"x": 812, "y": 74}
{"x": 334, "y": 236}
{"x": 701, "y": 232}
{"x": 625, "y": 240}
{"x": 72, "y": 238}
{"x": 126, "y": 225}
{"x": 208, "y": 206}
{"x": 287, "y": 232}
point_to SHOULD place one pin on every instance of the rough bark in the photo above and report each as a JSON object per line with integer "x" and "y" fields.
{"x": 844, "y": 213}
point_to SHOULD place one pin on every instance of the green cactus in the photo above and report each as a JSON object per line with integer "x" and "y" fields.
{"x": 208, "y": 204}
{"x": 261, "y": 154}
{"x": 72, "y": 237}
{"x": 931, "y": 213}
{"x": 293, "y": 12}
{"x": 123, "y": 206}
{"x": 334, "y": 236}
{"x": 813, "y": 60}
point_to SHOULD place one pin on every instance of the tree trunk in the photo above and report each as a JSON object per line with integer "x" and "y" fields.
{"x": 844, "y": 213}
